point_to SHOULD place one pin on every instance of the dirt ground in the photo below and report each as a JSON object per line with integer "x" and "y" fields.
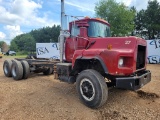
{"x": 43, "y": 98}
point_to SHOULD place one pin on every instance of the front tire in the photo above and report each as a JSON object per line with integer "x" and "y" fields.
{"x": 92, "y": 88}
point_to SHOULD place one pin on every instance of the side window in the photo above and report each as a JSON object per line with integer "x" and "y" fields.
{"x": 75, "y": 30}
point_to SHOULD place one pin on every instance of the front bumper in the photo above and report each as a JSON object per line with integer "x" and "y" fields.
{"x": 135, "y": 82}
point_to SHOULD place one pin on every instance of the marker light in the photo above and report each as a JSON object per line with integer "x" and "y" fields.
{"x": 109, "y": 47}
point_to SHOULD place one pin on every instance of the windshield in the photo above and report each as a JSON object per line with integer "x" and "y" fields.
{"x": 97, "y": 29}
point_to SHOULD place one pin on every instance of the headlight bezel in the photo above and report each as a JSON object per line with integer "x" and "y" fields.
{"x": 121, "y": 62}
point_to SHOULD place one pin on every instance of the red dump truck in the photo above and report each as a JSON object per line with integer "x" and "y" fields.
{"x": 94, "y": 60}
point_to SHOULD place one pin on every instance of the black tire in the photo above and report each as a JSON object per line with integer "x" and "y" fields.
{"x": 92, "y": 88}
{"x": 48, "y": 71}
{"x": 26, "y": 69}
{"x": 17, "y": 70}
{"x": 7, "y": 68}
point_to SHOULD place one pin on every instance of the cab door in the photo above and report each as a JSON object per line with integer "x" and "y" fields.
{"x": 71, "y": 43}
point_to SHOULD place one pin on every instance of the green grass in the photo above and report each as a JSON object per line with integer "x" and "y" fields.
{"x": 12, "y": 57}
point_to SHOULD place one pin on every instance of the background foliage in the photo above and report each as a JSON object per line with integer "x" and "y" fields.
{"x": 124, "y": 21}
{"x": 148, "y": 21}
{"x": 118, "y": 15}
{"x": 128, "y": 21}
{"x": 27, "y": 42}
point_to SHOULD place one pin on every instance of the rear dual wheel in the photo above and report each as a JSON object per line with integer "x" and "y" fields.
{"x": 26, "y": 69}
{"x": 16, "y": 69}
{"x": 7, "y": 68}
{"x": 92, "y": 88}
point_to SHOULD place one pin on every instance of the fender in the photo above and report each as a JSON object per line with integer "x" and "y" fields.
{"x": 89, "y": 58}
{"x": 102, "y": 63}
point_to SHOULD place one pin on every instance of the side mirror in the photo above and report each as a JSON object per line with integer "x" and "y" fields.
{"x": 66, "y": 34}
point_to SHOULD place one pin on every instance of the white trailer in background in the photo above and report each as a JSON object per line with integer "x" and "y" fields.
{"x": 153, "y": 47}
{"x": 48, "y": 50}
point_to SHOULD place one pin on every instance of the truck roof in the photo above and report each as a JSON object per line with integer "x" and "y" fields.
{"x": 86, "y": 19}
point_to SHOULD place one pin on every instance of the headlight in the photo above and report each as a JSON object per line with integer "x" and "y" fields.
{"x": 120, "y": 62}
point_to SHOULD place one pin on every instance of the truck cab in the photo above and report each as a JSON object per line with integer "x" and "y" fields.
{"x": 83, "y": 33}
{"x": 96, "y": 61}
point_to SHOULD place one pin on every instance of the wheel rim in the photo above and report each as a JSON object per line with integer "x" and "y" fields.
{"x": 14, "y": 71}
{"x": 6, "y": 69}
{"x": 87, "y": 89}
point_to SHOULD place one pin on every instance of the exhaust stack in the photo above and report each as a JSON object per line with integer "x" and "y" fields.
{"x": 61, "y": 39}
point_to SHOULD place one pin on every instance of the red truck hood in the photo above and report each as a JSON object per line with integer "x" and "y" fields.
{"x": 112, "y": 48}
{"x": 117, "y": 43}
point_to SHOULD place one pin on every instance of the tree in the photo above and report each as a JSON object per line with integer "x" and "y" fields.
{"x": 3, "y": 46}
{"x": 140, "y": 22}
{"x": 1, "y": 43}
{"x": 13, "y": 46}
{"x": 118, "y": 15}
{"x": 148, "y": 21}
{"x": 23, "y": 42}
{"x": 47, "y": 34}
{"x": 152, "y": 15}
{"x": 27, "y": 42}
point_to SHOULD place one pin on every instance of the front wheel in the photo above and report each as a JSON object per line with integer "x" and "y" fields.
{"x": 92, "y": 88}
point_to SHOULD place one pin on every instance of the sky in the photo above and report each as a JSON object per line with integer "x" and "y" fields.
{"x": 22, "y": 16}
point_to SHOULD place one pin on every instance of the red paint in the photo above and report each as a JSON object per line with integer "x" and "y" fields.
{"x": 121, "y": 47}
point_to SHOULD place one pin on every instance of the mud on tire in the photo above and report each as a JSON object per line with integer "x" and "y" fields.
{"x": 7, "y": 68}
{"x": 92, "y": 88}
{"x": 17, "y": 70}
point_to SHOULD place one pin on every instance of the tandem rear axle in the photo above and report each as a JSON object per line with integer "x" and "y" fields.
{"x": 22, "y": 68}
